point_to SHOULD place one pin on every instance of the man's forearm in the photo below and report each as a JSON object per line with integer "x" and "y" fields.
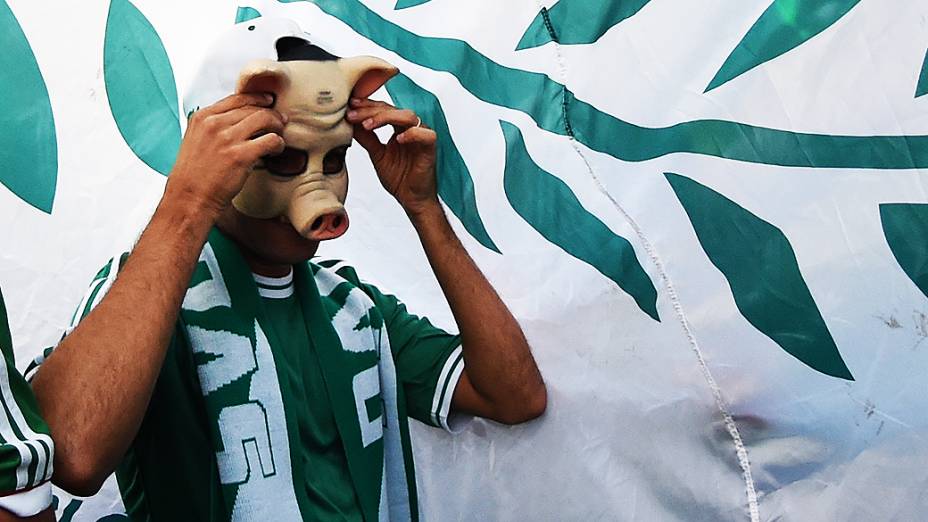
{"x": 499, "y": 364}
{"x": 94, "y": 390}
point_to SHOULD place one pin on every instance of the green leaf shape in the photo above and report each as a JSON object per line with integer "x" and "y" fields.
{"x": 761, "y": 268}
{"x": 455, "y": 185}
{"x": 551, "y": 208}
{"x": 922, "y": 88}
{"x": 905, "y": 226}
{"x": 28, "y": 140}
{"x": 244, "y": 14}
{"x": 140, "y": 87}
{"x": 785, "y": 25}
{"x": 546, "y": 101}
{"x": 577, "y": 22}
{"x": 403, "y": 4}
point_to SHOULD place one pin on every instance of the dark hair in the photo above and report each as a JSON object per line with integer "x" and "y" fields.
{"x": 291, "y": 49}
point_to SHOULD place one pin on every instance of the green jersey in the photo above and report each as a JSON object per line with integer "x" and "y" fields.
{"x": 328, "y": 485}
{"x": 286, "y": 398}
{"x": 25, "y": 447}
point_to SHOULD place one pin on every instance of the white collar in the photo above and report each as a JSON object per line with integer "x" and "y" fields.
{"x": 275, "y": 287}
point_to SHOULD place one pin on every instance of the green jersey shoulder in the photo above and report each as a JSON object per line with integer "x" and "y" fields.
{"x": 429, "y": 361}
{"x": 26, "y": 449}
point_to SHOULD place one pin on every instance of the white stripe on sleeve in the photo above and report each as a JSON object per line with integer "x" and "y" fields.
{"x": 442, "y": 383}
{"x": 32, "y": 438}
{"x": 108, "y": 283}
{"x": 98, "y": 288}
{"x": 450, "y": 385}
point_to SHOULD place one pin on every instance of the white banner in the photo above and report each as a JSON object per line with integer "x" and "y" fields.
{"x": 709, "y": 217}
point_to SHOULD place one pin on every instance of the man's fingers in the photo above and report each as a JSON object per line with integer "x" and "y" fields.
{"x": 361, "y": 114}
{"x": 240, "y": 100}
{"x": 243, "y": 123}
{"x": 417, "y": 135}
{"x": 356, "y": 116}
{"x": 265, "y": 145}
{"x": 233, "y": 116}
{"x": 369, "y": 141}
{"x": 259, "y": 122}
{"x": 399, "y": 119}
{"x": 365, "y": 102}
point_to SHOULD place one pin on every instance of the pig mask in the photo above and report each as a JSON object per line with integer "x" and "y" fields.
{"x": 307, "y": 184}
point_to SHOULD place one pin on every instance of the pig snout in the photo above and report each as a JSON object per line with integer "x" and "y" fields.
{"x": 318, "y": 213}
{"x": 327, "y": 226}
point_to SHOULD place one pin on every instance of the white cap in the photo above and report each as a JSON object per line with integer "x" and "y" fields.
{"x": 230, "y": 53}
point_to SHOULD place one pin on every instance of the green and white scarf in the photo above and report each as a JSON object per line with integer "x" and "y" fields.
{"x": 233, "y": 346}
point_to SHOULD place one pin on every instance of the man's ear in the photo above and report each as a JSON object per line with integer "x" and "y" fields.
{"x": 264, "y": 76}
{"x": 366, "y": 74}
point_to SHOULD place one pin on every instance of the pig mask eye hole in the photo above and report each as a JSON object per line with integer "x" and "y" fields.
{"x": 334, "y": 161}
{"x": 288, "y": 163}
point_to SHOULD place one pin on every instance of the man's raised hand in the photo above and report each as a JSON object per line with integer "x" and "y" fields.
{"x": 93, "y": 431}
{"x": 501, "y": 380}
{"x": 222, "y": 142}
{"x": 406, "y": 163}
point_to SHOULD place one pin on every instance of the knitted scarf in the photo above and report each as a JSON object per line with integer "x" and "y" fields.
{"x": 233, "y": 347}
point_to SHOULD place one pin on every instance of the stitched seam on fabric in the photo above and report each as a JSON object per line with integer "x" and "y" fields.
{"x": 730, "y": 425}
{"x": 562, "y": 69}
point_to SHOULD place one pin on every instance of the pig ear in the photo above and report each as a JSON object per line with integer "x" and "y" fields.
{"x": 366, "y": 74}
{"x": 264, "y": 76}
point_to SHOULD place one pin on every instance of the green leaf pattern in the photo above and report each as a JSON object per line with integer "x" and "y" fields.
{"x": 143, "y": 100}
{"x": 759, "y": 263}
{"x": 922, "y": 88}
{"x": 905, "y": 226}
{"x": 140, "y": 87}
{"x": 785, "y": 25}
{"x": 405, "y": 4}
{"x": 552, "y": 105}
{"x": 28, "y": 141}
{"x": 575, "y": 22}
{"x": 551, "y": 208}
{"x": 455, "y": 185}
{"x": 244, "y": 14}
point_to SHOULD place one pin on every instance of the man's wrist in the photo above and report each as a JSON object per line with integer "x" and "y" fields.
{"x": 186, "y": 206}
{"x": 184, "y": 216}
{"x": 434, "y": 230}
{"x": 424, "y": 211}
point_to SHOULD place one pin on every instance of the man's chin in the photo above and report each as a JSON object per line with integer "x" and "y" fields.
{"x": 271, "y": 241}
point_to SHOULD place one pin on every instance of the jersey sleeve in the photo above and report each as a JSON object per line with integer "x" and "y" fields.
{"x": 100, "y": 284}
{"x": 26, "y": 449}
{"x": 429, "y": 360}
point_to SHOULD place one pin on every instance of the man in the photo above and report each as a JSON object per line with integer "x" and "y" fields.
{"x": 25, "y": 446}
{"x": 224, "y": 377}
